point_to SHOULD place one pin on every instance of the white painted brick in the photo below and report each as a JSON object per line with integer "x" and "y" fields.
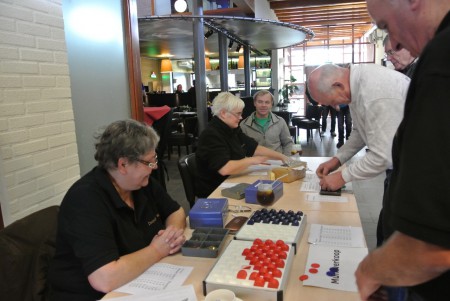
{"x": 65, "y": 104}
{"x": 58, "y": 117}
{"x": 67, "y": 127}
{"x": 23, "y": 189}
{"x": 26, "y": 121}
{"x": 71, "y": 149}
{"x": 39, "y": 81}
{"x": 32, "y": 173}
{"x": 19, "y": 67}
{"x": 51, "y": 44}
{"x": 7, "y": 24}
{"x": 49, "y": 155}
{"x": 55, "y": 8}
{"x": 51, "y": 178}
{"x": 21, "y": 95}
{"x": 45, "y": 131}
{"x": 33, "y": 29}
{"x": 63, "y": 81}
{"x": 56, "y": 92}
{"x": 65, "y": 163}
{"x": 57, "y": 34}
{"x": 62, "y": 187}
{"x": 14, "y": 208}
{"x": 15, "y": 39}
{"x": 30, "y": 147}
{"x": 62, "y": 139}
{"x": 54, "y": 69}
{"x": 12, "y": 137}
{"x": 9, "y": 53}
{"x": 60, "y": 57}
{"x": 37, "y": 197}
{"x": 42, "y": 6}
{"x": 10, "y": 81}
{"x": 11, "y": 109}
{"x": 15, "y": 12}
{"x": 42, "y": 106}
{"x": 3, "y": 124}
{"x": 36, "y": 55}
{"x": 74, "y": 172}
{"x": 7, "y": 152}
{"x": 46, "y": 19}
{"x": 15, "y": 164}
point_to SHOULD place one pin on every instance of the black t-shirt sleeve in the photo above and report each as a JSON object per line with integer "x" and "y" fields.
{"x": 88, "y": 228}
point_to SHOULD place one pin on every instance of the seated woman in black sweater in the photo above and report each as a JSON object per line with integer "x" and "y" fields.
{"x": 223, "y": 149}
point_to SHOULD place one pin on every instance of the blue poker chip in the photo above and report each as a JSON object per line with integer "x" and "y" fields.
{"x": 331, "y": 274}
{"x": 334, "y": 269}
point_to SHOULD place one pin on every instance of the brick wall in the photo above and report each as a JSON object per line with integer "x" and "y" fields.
{"x": 37, "y": 130}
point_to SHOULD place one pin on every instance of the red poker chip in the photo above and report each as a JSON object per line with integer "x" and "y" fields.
{"x": 313, "y": 271}
{"x": 303, "y": 277}
{"x": 315, "y": 265}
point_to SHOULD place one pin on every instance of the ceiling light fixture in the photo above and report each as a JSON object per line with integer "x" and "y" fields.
{"x": 238, "y": 47}
{"x": 166, "y": 65}
{"x": 230, "y": 45}
{"x": 209, "y": 33}
{"x": 180, "y": 6}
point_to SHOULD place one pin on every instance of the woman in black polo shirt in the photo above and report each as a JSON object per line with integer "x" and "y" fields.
{"x": 223, "y": 149}
{"x": 114, "y": 223}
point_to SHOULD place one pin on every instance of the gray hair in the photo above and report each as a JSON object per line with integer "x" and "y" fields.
{"x": 262, "y": 93}
{"x": 124, "y": 139}
{"x": 328, "y": 74}
{"x": 226, "y": 101}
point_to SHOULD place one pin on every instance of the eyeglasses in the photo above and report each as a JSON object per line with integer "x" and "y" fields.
{"x": 239, "y": 208}
{"x": 390, "y": 52}
{"x": 152, "y": 165}
{"x": 237, "y": 115}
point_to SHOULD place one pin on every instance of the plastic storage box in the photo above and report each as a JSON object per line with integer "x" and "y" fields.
{"x": 250, "y": 191}
{"x": 205, "y": 242}
{"x": 210, "y": 213}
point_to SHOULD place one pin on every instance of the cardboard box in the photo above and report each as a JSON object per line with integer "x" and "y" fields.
{"x": 250, "y": 191}
{"x": 210, "y": 213}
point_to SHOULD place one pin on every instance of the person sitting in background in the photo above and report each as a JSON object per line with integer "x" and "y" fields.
{"x": 333, "y": 114}
{"x": 402, "y": 59}
{"x": 223, "y": 149}
{"x": 266, "y": 128}
{"x": 114, "y": 223}
{"x": 179, "y": 89}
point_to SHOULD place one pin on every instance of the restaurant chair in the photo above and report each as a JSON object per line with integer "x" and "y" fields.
{"x": 292, "y": 128}
{"x": 187, "y": 137}
{"x": 188, "y": 172}
{"x": 26, "y": 249}
{"x": 310, "y": 122}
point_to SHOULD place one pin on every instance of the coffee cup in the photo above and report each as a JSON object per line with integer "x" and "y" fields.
{"x": 221, "y": 295}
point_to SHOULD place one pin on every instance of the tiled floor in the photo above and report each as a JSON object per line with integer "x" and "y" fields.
{"x": 368, "y": 193}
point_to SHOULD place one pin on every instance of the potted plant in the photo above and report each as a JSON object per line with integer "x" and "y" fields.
{"x": 287, "y": 90}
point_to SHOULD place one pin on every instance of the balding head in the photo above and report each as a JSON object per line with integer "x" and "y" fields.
{"x": 329, "y": 84}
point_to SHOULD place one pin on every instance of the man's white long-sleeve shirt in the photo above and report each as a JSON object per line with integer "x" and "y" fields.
{"x": 377, "y": 102}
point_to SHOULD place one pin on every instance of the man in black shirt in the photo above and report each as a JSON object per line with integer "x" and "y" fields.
{"x": 417, "y": 254}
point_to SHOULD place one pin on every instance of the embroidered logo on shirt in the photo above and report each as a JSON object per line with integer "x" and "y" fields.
{"x": 153, "y": 220}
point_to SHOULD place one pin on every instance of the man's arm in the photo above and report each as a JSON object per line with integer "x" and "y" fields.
{"x": 401, "y": 261}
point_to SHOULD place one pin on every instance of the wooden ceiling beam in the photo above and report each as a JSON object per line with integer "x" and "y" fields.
{"x": 361, "y": 10}
{"x": 309, "y": 18}
{"x": 305, "y": 3}
{"x": 334, "y": 22}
